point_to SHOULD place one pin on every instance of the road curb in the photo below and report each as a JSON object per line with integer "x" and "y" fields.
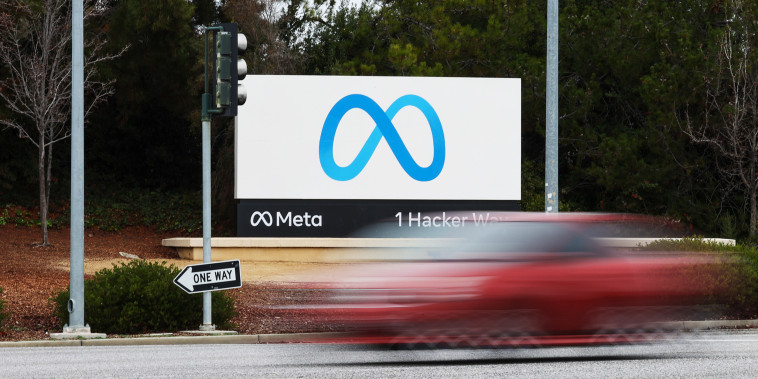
{"x": 290, "y": 337}
{"x": 41, "y": 343}
{"x": 717, "y": 324}
{"x": 298, "y": 337}
{"x": 178, "y": 340}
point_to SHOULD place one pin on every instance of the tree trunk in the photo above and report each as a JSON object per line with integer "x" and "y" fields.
{"x": 752, "y": 191}
{"x": 41, "y": 163}
{"x": 753, "y": 211}
{"x": 48, "y": 179}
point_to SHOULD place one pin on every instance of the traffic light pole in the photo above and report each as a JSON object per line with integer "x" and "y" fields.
{"x": 206, "y": 134}
{"x": 228, "y": 94}
{"x": 207, "y": 324}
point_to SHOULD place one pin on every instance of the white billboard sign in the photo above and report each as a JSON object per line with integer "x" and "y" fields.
{"x": 339, "y": 137}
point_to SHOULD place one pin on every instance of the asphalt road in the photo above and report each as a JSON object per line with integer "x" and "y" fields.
{"x": 731, "y": 354}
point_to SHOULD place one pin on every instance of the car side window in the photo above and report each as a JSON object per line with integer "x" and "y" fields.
{"x": 580, "y": 246}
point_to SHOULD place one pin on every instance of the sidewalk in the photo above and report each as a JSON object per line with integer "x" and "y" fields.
{"x": 291, "y": 337}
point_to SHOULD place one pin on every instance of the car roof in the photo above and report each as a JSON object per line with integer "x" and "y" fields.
{"x": 572, "y": 217}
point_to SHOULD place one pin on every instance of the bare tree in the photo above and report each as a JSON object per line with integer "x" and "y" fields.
{"x": 730, "y": 122}
{"x": 259, "y": 20}
{"x": 35, "y": 47}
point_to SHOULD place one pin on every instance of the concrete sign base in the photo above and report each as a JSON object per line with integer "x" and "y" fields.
{"x": 82, "y": 332}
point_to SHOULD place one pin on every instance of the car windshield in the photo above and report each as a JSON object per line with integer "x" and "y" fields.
{"x": 390, "y": 229}
{"x": 519, "y": 241}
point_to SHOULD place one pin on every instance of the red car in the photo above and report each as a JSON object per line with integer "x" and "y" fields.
{"x": 527, "y": 279}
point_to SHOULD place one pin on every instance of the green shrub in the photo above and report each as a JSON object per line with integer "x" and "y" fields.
{"x": 691, "y": 244}
{"x": 165, "y": 211}
{"x": 3, "y": 315}
{"x": 737, "y": 272}
{"x": 140, "y": 297}
{"x": 14, "y": 214}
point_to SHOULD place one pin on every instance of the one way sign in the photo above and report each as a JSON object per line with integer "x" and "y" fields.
{"x": 210, "y": 277}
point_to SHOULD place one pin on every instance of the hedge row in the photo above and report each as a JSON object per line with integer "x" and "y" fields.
{"x": 738, "y": 273}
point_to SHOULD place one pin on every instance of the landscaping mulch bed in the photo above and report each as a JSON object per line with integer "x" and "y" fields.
{"x": 30, "y": 275}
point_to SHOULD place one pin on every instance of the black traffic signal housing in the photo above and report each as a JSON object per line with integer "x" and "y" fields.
{"x": 228, "y": 70}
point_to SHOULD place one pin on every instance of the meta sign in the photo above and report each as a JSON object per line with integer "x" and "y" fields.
{"x": 322, "y": 156}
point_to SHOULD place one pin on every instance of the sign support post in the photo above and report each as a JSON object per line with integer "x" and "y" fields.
{"x": 207, "y": 324}
{"x": 228, "y": 94}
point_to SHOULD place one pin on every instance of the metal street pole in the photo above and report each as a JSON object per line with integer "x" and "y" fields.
{"x": 206, "y": 135}
{"x": 551, "y": 110}
{"x": 228, "y": 94}
{"x": 76, "y": 327}
{"x": 207, "y": 307}
{"x": 76, "y": 299}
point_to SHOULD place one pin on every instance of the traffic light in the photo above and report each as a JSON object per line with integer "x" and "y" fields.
{"x": 229, "y": 69}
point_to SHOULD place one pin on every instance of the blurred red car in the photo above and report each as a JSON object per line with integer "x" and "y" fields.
{"x": 528, "y": 279}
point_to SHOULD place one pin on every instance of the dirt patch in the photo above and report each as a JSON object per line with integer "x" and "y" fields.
{"x": 282, "y": 272}
{"x": 31, "y": 275}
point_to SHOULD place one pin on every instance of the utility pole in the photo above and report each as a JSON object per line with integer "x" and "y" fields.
{"x": 76, "y": 300}
{"x": 76, "y": 327}
{"x": 551, "y": 110}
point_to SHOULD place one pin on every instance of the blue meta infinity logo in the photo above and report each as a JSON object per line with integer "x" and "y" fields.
{"x": 384, "y": 129}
